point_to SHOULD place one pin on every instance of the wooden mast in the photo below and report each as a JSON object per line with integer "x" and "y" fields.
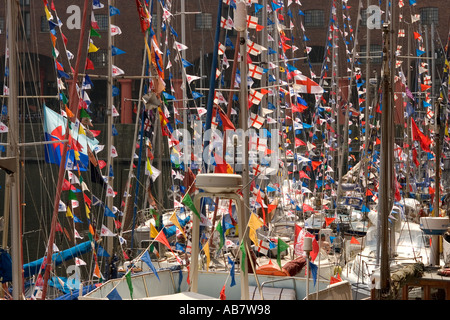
{"x": 13, "y": 151}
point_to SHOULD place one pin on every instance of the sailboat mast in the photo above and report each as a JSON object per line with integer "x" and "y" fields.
{"x": 385, "y": 186}
{"x": 13, "y": 151}
{"x": 109, "y": 143}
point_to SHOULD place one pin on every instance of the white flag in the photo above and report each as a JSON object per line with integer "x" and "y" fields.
{"x": 113, "y": 152}
{"x": 62, "y": 207}
{"x": 179, "y": 46}
{"x": 116, "y": 71}
{"x": 3, "y": 127}
{"x": 115, "y": 30}
{"x": 190, "y": 78}
{"x": 105, "y": 232}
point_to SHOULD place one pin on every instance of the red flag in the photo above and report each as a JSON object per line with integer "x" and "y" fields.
{"x": 299, "y": 142}
{"x": 335, "y": 279}
{"x": 307, "y": 207}
{"x": 143, "y": 16}
{"x": 89, "y": 64}
{"x": 259, "y": 200}
{"x": 226, "y": 122}
{"x": 414, "y": 154}
{"x": 302, "y": 174}
{"x": 315, "y": 164}
{"x": 87, "y": 200}
{"x": 297, "y": 231}
{"x": 328, "y": 221}
{"x": 315, "y": 246}
{"x": 354, "y": 241}
{"x": 161, "y": 237}
{"x": 222, "y": 293}
{"x": 419, "y": 136}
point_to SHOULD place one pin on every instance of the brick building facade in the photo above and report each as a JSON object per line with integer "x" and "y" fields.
{"x": 200, "y": 23}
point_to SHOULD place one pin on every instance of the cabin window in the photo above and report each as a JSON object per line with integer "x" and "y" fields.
{"x": 203, "y": 21}
{"x": 2, "y": 25}
{"x": 429, "y": 16}
{"x": 314, "y": 18}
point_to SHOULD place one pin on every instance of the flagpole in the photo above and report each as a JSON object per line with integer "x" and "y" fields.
{"x": 74, "y": 99}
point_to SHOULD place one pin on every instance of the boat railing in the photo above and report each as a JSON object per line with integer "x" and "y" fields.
{"x": 278, "y": 280}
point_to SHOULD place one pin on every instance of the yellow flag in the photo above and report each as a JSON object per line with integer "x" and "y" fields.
{"x": 255, "y": 222}
{"x": 206, "y": 250}
{"x": 69, "y": 212}
{"x": 252, "y": 236}
{"x": 153, "y": 231}
{"x": 87, "y": 211}
{"x": 92, "y": 48}
{"x": 47, "y": 13}
{"x": 149, "y": 167}
{"x": 174, "y": 220}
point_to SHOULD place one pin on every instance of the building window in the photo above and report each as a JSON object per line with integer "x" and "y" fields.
{"x": 102, "y": 21}
{"x": 429, "y": 15}
{"x": 314, "y": 18}
{"x": 203, "y": 21}
{"x": 99, "y": 58}
{"x": 376, "y": 52}
{"x": 26, "y": 30}
{"x": 363, "y": 21}
{"x": 316, "y": 55}
{"x": 44, "y": 24}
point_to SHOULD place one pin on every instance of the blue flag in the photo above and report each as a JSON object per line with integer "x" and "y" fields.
{"x": 116, "y": 51}
{"x": 113, "y": 11}
{"x": 146, "y": 258}
{"x": 233, "y": 281}
{"x": 55, "y": 129}
{"x": 313, "y": 269}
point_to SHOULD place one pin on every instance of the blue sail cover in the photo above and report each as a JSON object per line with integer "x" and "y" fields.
{"x": 33, "y": 268}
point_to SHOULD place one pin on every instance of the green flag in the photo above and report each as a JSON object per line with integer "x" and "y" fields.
{"x": 220, "y": 230}
{"x": 281, "y": 246}
{"x": 94, "y": 33}
{"x": 84, "y": 114}
{"x": 72, "y": 195}
{"x": 187, "y": 201}
{"x": 242, "y": 247}
{"x": 130, "y": 285}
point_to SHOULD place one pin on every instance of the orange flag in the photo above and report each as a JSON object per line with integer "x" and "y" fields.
{"x": 328, "y": 221}
{"x": 315, "y": 164}
{"x": 354, "y": 241}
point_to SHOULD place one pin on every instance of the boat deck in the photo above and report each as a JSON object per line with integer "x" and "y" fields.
{"x": 430, "y": 282}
